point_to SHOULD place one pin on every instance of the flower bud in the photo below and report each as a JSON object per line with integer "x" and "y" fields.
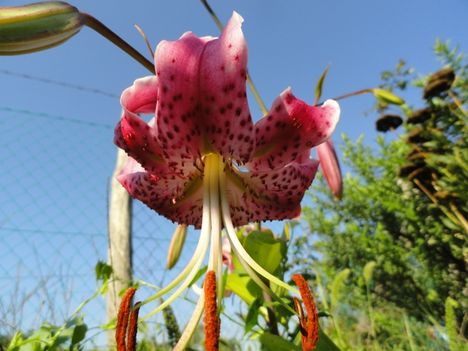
{"x": 387, "y": 96}
{"x": 38, "y": 26}
{"x": 330, "y": 167}
{"x": 176, "y": 245}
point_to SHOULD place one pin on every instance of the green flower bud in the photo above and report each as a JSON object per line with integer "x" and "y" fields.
{"x": 176, "y": 245}
{"x": 38, "y": 26}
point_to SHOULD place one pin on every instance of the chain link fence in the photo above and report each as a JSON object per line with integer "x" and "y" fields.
{"x": 54, "y": 183}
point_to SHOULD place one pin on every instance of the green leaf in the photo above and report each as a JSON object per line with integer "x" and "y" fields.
{"x": 325, "y": 343}
{"x": 103, "y": 271}
{"x": 267, "y": 250}
{"x": 79, "y": 333}
{"x": 252, "y": 315}
{"x": 387, "y": 96}
{"x": 199, "y": 274}
{"x": 319, "y": 86}
{"x": 244, "y": 287}
{"x": 271, "y": 342}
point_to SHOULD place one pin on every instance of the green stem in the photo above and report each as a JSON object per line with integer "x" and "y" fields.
{"x": 354, "y": 93}
{"x": 101, "y": 28}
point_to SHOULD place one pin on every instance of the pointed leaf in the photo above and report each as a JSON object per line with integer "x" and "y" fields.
{"x": 271, "y": 342}
{"x": 325, "y": 343}
{"x": 319, "y": 86}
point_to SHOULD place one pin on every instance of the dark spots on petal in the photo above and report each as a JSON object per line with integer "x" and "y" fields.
{"x": 229, "y": 106}
{"x": 269, "y": 118}
{"x": 238, "y": 112}
{"x": 170, "y": 135}
{"x": 222, "y": 110}
{"x": 309, "y": 144}
{"x": 278, "y": 108}
{"x": 176, "y": 129}
{"x": 171, "y": 78}
{"x": 173, "y": 60}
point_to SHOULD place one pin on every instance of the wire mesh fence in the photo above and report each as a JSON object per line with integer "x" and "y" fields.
{"x": 53, "y": 220}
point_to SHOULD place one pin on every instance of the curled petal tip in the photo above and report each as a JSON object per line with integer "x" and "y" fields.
{"x": 237, "y": 17}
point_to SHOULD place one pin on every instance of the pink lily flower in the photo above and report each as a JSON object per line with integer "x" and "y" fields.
{"x": 201, "y": 160}
{"x": 330, "y": 167}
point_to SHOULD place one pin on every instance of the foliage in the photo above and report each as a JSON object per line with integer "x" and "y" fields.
{"x": 401, "y": 221}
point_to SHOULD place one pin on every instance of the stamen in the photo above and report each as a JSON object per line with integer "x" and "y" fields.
{"x": 133, "y": 328}
{"x": 191, "y": 325}
{"x": 193, "y": 266}
{"x": 236, "y": 244}
{"x": 122, "y": 319}
{"x": 211, "y": 321}
{"x": 309, "y": 323}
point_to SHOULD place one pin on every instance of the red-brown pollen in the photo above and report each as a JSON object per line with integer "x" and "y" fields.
{"x": 211, "y": 320}
{"x": 127, "y": 320}
{"x": 309, "y": 324}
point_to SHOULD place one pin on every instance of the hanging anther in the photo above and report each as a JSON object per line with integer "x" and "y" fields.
{"x": 309, "y": 323}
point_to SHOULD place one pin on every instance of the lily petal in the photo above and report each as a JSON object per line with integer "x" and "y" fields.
{"x": 174, "y": 197}
{"x": 141, "y": 97}
{"x": 202, "y": 103}
{"x": 223, "y": 72}
{"x": 177, "y": 110}
{"x": 291, "y": 129}
{"x": 269, "y": 194}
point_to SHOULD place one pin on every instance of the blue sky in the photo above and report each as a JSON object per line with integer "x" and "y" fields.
{"x": 290, "y": 43}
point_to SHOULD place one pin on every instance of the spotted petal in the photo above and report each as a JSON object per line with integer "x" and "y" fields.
{"x": 226, "y": 115}
{"x": 177, "y": 198}
{"x": 133, "y": 134}
{"x": 269, "y": 194}
{"x": 291, "y": 129}
{"x": 202, "y": 103}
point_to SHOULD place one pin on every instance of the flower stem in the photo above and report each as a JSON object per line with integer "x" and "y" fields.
{"x": 354, "y": 93}
{"x": 241, "y": 252}
{"x": 102, "y": 29}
